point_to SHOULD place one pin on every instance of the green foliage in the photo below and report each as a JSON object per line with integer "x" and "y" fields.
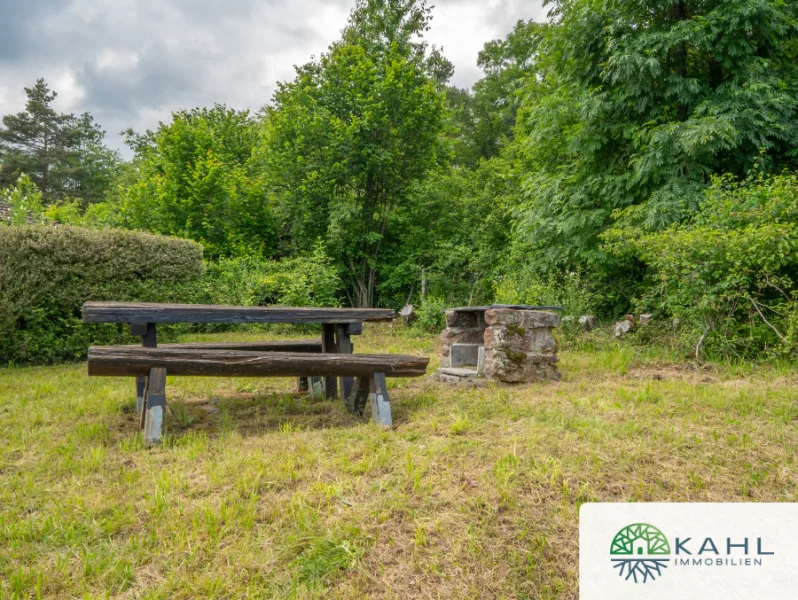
{"x": 251, "y": 281}
{"x": 346, "y": 140}
{"x": 47, "y": 273}
{"x": 430, "y": 316}
{"x": 637, "y": 102}
{"x": 71, "y": 212}
{"x": 452, "y": 232}
{"x": 730, "y": 269}
{"x": 484, "y": 120}
{"x": 24, "y": 201}
{"x": 195, "y": 180}
{"x": 572, "y": 290}
{"x": 63, "y": 154}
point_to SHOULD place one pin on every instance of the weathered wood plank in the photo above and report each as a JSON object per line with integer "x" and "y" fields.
{"x": 343, "y": 345}
{"x": 133, "y": 361}
{"x": 354, "y": 328}
{"x": 156, "y": 406}
{"x": 143, "y": 312}
{"x": 328, "y": 346}
{"x": 148, "y": 340}
{"x": 308, "y": 346}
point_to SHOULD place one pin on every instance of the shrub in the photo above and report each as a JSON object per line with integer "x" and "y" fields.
{"x": 47, "y": 273}
{"x": 571, "y": 290}
{"x": 731, "y": 270}
{"x": 24, "y": 201}
{"x": 430, "y": 317}
{"x": 252, "y": 281}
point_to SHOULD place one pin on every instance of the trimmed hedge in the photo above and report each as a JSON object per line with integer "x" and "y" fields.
{"x": 47, "y": 273}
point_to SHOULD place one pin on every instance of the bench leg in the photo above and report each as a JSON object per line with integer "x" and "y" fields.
{"x": 148, "y": 340}
{"x": 143, "y": 408}
{"x": 302, "y": 385}
{"x": 141, "y": 388}
{"x": 155, "y": 407}
{"x": 356, "y": 402}
{"x": 344, "y": 346}
{"x": 380, "y": 402}
{"x": 328, "y": 346}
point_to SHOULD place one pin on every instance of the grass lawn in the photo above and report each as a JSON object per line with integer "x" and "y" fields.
{"x": 260, "y": 492}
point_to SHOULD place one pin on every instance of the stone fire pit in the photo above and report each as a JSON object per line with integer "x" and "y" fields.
{"x": 511, "y": 343}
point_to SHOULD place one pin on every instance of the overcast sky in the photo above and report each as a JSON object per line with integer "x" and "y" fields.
{"x": 130, "y": 63}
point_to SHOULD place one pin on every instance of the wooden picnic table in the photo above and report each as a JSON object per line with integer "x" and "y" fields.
{"x": 337, "y": 324}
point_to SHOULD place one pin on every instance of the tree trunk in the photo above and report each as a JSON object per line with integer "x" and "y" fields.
{"x": 45, "y": 166}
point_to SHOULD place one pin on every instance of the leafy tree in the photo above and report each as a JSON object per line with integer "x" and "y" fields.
{"x": 639, "y": 102}
{"x": 484, "y": 120}
{"x": 346, "y": 140}
{"x": 507, "y": 64}
{"x": 450, "y": 237}
{"x": 195, "y": 180}
{"x": 63, "y": 155}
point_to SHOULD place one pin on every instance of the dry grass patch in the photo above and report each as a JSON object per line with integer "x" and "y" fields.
{"x": 260, "y": 492}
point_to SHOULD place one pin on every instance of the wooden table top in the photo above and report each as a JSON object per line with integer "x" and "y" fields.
{"x": 144, "y": 312}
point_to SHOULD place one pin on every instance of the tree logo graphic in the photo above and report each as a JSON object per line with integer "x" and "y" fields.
{"x": 637, "y": 552}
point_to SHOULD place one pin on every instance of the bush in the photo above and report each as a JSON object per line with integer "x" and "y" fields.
{"x": 47, "y": 273}
{"x": 252, "y": 281}
{"x": 571, "y": 290}
{"x": 430, "y": 316}
{"x": 730, "y": 271}
{"x": 24, "y": 201}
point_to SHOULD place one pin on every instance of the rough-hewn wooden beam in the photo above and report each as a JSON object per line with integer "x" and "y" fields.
{"x": 142, "y": 312}
{"x": 307, "y": 346}
{"x": 134, "y": 361}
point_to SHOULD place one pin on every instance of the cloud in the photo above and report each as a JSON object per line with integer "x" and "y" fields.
{"x": 132, "y": 63}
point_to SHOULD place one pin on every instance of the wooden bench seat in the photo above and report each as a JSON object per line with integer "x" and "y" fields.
{"x": 254, "y": 346}
{"x": 304, "y": 383}
{"x": 190, "y": 360}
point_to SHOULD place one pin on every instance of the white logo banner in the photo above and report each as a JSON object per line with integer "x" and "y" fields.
{"x": 658, "y": 551}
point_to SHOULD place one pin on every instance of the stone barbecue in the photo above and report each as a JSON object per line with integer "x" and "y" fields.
{"x": 511, "y": 343}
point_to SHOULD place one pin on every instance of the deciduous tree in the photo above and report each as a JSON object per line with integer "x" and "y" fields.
{"x": 346, "y": 140}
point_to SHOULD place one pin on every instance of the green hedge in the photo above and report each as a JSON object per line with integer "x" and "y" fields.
{"x": 47, "y": 273}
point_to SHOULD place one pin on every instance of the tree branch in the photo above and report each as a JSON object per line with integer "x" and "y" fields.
{"x": 778, "y": 333}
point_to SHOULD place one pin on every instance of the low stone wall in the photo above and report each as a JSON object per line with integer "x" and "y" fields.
{"x": 519, "y": 345}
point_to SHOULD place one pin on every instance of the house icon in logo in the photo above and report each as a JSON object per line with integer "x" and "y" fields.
{"x": 639, "y": 552}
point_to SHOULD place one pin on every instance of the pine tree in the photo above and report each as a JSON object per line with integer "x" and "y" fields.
{"x": 63, "y": 155}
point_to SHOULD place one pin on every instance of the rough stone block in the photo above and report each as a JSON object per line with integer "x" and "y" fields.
{"x": 408, "y": 313}
{"x": 526, "y": 319}
{"x": 457, "y": 335}
{"x": 468, "y": 320}
{"x": 460, "y": 381}
{"x": 622, "y": 328}
{"x": 517, "y": 367}
{"x": 465, "y": 355}
{"x": 587, "y": 322}
{"x": 458, "y": 372}
{"x": 537, "y": 341}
